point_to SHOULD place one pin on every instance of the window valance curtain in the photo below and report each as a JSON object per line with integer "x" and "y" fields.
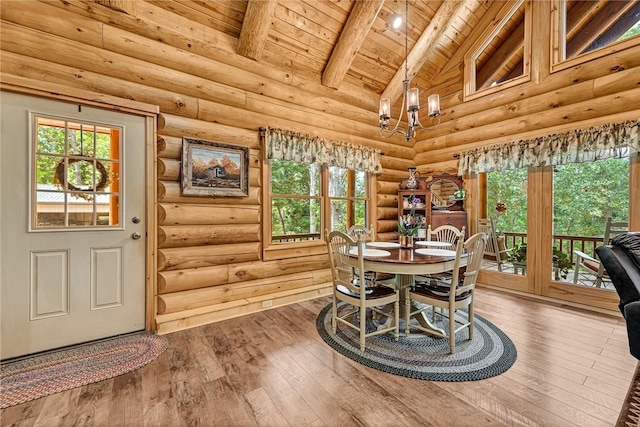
{"x": 583, "y": 145}
{"x": 294, "y": 146}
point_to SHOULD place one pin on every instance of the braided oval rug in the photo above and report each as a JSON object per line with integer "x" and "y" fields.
{"x": 41, "y": 375}
{"x": 423, "y": 356}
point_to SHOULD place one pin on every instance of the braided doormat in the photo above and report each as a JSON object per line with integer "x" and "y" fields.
{"x": 423, "y": 356}
{"x": 630, "y": 412}
{"x": 38, "y": 376}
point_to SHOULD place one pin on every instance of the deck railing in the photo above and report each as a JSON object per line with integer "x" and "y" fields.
{"x": 295, "y": 237}
{"x": 564, "y": 243}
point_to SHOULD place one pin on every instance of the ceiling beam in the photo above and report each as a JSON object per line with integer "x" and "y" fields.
{"x": 126, "y": 6}
{"x": 425, "y": 45}
{"x": 355, "y": 30}
{"x": 255, "y": 27}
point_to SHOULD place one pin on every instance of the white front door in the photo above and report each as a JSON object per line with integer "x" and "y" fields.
{"x": 72, "y": 224}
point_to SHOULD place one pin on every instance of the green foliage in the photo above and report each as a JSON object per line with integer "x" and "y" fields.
{"x": 406, "y": 228}
{"x": 51, "y": 150}
{"x": 510, "y": 188}
{"x": 585, "y": 194}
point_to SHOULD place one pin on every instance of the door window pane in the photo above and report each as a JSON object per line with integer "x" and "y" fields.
{"x": 75, "y": 188}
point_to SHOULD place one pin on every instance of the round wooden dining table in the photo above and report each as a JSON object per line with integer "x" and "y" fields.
{"x": 406, "y": 263}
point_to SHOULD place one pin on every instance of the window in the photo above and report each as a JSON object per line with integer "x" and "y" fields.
{"x": 588, "y": 29}
{"x": 75, "y": 179}
{"x": 307, "y": 198}
{"x": 501, "y": 57}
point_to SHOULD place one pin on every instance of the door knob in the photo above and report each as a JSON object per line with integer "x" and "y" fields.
{"x": 136, "y": 236}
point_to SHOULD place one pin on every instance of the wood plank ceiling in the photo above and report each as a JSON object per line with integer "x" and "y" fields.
{"x": 346, "y": 43}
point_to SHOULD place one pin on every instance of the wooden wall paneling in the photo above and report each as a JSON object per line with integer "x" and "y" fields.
{"x": 158, "y": 53}
{"x": 169, "y": 192}
{"x": 613, "y": 117}
{"x": 253, "y": 271}
{"x": 127, "y": 68}
{"x": 35, "y": 69}
{"x": 193, "y": 278}
{"x": 169, "y": 147}
{"x": 584, "y": 91}
{"x": 207, "y": 256}
{"x": 191, "y": 214}
{"x": 559, "y": 81}
{"x": 387, "y": 200}
{"x": 58, "y": 22}
{"x": 61, "y": 92}
{"x": 157, "y": 24}
{"x": 193, "y": 298}
{"x": 390, "y": 213}
{"x": 200, "y": 316}
{"x": 283, "y": 251}
{"x": 387, "y": 187}
{"x": 581, "y": 111}
{"x": 178, "y": 126}
{"x": 172, "y": 236}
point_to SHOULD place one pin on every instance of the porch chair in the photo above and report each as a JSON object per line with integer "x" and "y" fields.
{"x": 348, "y": 288}
{"x": 487, "y": 226}
{"x": 592, "y": 269}
{"x": 451, "y": 294}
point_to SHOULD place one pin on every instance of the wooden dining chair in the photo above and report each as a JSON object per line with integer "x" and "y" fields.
{"x": 348, "y": 288}
{"x": 458, "y": 292}
{"x": 446, "y": 233}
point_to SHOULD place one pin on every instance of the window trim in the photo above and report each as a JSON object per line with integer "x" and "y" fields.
{"x": 470, "y": 91}
{"x": 558, "y": 45}
{"x": 273, "y": 251}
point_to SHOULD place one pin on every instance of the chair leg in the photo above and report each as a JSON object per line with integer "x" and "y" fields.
{"x": 452, "y": 331}
{"x": 471, "y": 320}
{"x": 407, "y": 313}
{"x": 396, "y": 315}
{"x": 363, "y": 319}
{"x": 334, "y": 315}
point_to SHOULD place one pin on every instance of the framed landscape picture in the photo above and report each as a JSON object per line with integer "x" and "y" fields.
{"x": 214, "y": 169}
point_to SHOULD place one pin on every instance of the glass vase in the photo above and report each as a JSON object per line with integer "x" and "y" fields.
{"x": 406, "y": 241}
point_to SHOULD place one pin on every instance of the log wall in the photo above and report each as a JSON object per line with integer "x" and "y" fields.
{"x": 209, "y": 253}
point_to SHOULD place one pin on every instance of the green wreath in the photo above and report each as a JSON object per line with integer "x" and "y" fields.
{"x": 62, "y": 179}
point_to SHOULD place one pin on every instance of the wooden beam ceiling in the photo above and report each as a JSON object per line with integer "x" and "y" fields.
{"x": 424, "y": 46}
{"x": 255, "y": 27}
{"x": 351, "y": 38}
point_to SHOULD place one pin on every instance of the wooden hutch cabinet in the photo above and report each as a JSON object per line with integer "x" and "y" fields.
{"x": 437, "y": 204}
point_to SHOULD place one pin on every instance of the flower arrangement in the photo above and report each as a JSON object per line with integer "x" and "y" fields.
{"x": 407, "y": 224}
{"x": 561, "y": 262}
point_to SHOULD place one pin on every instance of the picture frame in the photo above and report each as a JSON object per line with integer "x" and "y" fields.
{"x": 211, "y": 168}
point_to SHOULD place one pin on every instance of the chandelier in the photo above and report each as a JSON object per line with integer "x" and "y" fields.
{"x": 410, "y": 99}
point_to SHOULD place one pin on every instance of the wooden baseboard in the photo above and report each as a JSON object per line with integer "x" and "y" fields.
{"x": 167, "y": 323}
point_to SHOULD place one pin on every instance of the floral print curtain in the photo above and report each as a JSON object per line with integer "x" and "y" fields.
{"x": 582, "y": 145}
{"x": 298, "y": 147}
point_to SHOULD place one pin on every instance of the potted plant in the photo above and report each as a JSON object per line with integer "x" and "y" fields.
{"x": 561, "y": 262}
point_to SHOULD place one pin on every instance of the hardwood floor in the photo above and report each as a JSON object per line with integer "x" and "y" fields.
{"x": 272, "y": 369}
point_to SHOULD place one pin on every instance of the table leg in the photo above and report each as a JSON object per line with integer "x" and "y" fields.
{"x": 403, "y": 282}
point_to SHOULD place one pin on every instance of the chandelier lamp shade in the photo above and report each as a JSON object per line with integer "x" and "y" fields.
{"x": 410, "y": 100}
